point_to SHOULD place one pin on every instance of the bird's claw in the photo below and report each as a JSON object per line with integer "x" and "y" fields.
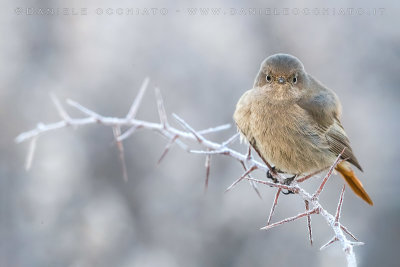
{"x": 270, "y": 176}
{"x": 289, "y": 180}
{"x": 288, "y": 192}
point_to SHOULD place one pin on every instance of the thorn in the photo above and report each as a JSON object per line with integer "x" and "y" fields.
{"x": 208, "y": 152}
{"x": 167, "y": 147}
{"x": 230, "y": 140}
{"x": 252, "y": 183}
{"x": 138, "y": 99}
{"x": 117, "y": 133}
{"x": 348, "y": 232}
{"x": 309, "y": 222}
{"x": 83, "y": 109}
{"x": 128, "y": 133}
{"x": 274, "y": 205}
{"x": 252, "y": 168}
{"x": 328, "y": 175}
{"x": 161, "y": 109}
{"x": 182, "y": 145}
{"x": 61, "y": 111}
{"x": 31, "y": 153}
{"x": 309, "y": 176}
{"x": 289, "y": 219}
{"x": 330, "y": 242}
{"x": 207, "y": 165}
{"x": 357, "y": 243}
{"x": 199, "y": 138}
{"x": 255, "y": 187}
{"x": 215, "y": 129}
{"x": 339, "y": 207}
{"x": 249, "y": 157}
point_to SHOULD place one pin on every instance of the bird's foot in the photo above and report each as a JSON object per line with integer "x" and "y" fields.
{"x": 270, "y": 176}
{"x": 288, "y": 181}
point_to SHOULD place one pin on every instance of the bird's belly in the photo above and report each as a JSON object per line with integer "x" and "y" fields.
{"x": 281, "y": 141}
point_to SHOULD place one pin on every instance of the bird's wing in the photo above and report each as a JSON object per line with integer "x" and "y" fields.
{"x": 322, "y": 104}
{"x": 338, "y": 140}
{"x": 324, "y": 109}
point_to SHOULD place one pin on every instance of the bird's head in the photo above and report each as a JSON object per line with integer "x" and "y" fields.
{"x": 282, "y": 75}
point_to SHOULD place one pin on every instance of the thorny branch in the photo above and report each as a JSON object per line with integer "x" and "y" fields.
{"x": 210, "y": 148}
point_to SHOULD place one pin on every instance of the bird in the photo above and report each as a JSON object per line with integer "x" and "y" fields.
{"x": 293, "y": 122}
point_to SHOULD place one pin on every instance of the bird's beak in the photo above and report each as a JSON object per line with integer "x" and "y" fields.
{"x": 281, "y": 80}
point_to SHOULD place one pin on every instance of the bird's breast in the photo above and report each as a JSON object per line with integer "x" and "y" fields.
{"x": 283, "y": 135}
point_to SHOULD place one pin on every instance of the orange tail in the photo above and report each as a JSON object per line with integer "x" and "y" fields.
{"x": 353, "y": 182}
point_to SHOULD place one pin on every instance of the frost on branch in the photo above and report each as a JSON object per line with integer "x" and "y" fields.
{"x": 209, "y": 149}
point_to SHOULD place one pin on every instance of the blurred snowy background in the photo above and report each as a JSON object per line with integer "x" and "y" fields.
{"x": 74, "y": 209}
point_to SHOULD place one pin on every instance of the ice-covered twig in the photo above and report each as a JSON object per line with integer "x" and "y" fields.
{"x": 330, "y": 242}
{"x": 61, "y": 111}
{"x": 207, "y": 165}
{"x": 31, "y": 153}
{"x": 278, "y": 192}
{"x": 197, "y": 135}
{"x": 120, "y": 146}
{"x": 339, "y": 236}
{"x": 339, "y": 207}
{"x": 167, "y": 147}
{"x": 307, "y": 204}
{"x": 252, "y": 183}
{"x": 209, "y": 148}
{"x": 128, "y": 132}
{"x": 84, "y": 110}
{"x": 302, "y": 179}
{"x": 136, "y": 103}
{"x": 247, "y": 172}
{"x": 328, "y": 175}
{"x": 161, "y": 109}
{"x": 290, "y": 219}
{"x": 230, "y": 140}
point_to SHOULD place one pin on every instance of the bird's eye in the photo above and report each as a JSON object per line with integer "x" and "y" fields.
{"x": 268, "y": 78}
{"x": 294, "y": 80}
